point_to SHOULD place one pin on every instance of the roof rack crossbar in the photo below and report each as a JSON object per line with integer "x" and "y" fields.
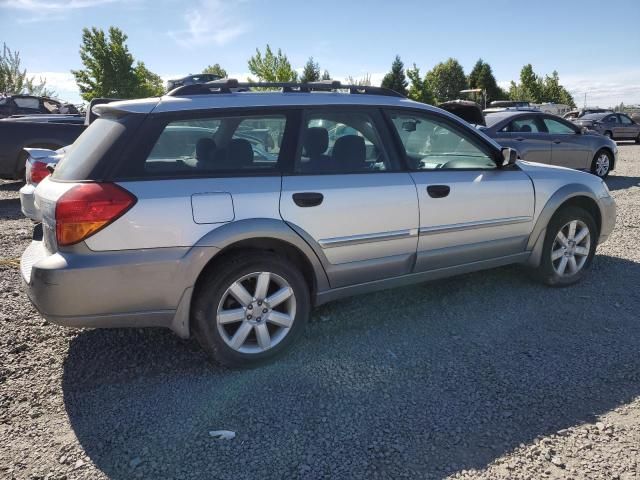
{"x": 230, "y": 85}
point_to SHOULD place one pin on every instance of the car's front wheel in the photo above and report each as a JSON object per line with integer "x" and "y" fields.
{"x": 250, "y": 308}
{"x": 569, "y": 247}
{"x": 601, "y": 164}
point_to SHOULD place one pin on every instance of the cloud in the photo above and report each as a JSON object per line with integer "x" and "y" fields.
{"x": 50, "y": 10}
{"x": 603, "y": 89}
{"x": 62, "y": 83}
{"x": 211, "y": 22}
{"x": 42, "y": 6}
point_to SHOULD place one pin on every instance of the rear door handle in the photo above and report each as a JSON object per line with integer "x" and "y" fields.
{"x": 438, "y": 191}
{"x": 557, "y": 141}
{"x": 519, "y": 139}
{"x": 308, "y": 199}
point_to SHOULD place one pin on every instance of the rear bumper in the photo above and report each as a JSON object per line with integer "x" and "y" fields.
{"x": 141, "y": 288}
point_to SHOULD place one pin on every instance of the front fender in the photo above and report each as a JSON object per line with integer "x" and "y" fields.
{"x": 562, "y": 195}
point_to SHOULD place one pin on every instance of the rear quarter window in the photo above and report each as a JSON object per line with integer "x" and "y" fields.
{"x": 88, "y": 149}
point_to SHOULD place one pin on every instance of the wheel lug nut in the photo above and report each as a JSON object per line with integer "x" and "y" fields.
{"x": 249, "y": 317}
{"x": 250, "y": 307}
{"x": 264, "y": 310}
{"x": 259, "y": 319}
{"x": 259, "y": 302}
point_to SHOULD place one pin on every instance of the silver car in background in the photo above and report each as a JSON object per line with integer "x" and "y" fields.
{"x": 616, "y": 126}
{"x": 545, "y": 138}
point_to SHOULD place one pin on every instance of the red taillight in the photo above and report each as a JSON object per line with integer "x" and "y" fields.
{"x": 37, "y": 172}
{"x": 88, "y": 208}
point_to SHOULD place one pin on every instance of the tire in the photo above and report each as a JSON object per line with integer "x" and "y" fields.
{"x": 638, "y": 138}
{"x": 600, "y": 166}
{"x": 550, "y": 271}
{"x": 221, "y": 336}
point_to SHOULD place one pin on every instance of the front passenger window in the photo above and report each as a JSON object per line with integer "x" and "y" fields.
{"x": 430, "y": 144}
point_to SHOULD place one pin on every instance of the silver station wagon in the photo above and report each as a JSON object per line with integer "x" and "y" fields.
{"x": 227, "y": 215}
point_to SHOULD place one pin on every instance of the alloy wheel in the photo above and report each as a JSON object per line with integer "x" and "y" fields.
{"x": 602, "y": 165}
{"x": 256, "y": 312}
{"x": 570, "y": 248}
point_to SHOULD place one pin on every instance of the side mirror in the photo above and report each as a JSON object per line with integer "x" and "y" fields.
{"x": 509, "y": 156}
{"x": 583, "y": 130}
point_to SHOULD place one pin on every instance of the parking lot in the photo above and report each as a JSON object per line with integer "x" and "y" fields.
{"x": 487, "y": 375}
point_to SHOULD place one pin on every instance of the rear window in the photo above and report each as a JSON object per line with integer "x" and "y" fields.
{"x": 88, "y": 149}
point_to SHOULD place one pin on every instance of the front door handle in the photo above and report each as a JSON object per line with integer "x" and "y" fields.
{"x": 308, "y": 199}
{"x": 519, "y": 139}
{"x": 438, "y": 191}
{"x": 557, "y": 141}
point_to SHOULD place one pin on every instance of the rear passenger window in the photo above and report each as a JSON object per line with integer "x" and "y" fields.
{"x": 238, "y": 144}
{"x": 523, "y": 125}
{"x": 340, "y": 142}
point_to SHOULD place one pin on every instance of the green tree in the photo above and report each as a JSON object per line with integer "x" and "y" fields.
{"x": 272, "y": 67}
{"x": 311, "y": 72}
{"x": 396, "y": 79}
{"x": 419, "y": 89}
{"x": 482, "y": 77}
{"x": 554, "y": 92}
{"x": 531, "y": 84}
{"x": 446, "y": 80}
{"x": 326, "y": 76}
{"x": 149, "y": 83}
{"x": 14, "y": 79}
{"x": 216, "y": 69}
{"x": 109, "y": 69}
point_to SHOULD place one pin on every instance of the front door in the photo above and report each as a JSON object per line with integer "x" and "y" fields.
{"x": 469, "y": 209}
{"x": 349, "y": 200}
{"x": 568, "y": 145}
{"x": 528, "y": 136}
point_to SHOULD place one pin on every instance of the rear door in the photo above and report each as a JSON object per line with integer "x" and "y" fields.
{"x": 629, "y": 128}
{"x": 469, "y": 210}
{"x": 527, "y": 134}
{"x": 348, "y": 197}
{"x": 569, "y": 147}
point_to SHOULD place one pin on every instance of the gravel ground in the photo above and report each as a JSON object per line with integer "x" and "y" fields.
{"x": 488, "y": 375}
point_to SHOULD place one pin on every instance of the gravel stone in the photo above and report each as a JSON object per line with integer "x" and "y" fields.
{"x": 481, "y": 376}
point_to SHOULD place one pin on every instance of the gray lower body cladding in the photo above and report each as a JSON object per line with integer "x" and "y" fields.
{"x": 138, "y": 288}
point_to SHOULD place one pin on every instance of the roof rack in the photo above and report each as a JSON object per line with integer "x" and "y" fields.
{"x": 229, "y": 85}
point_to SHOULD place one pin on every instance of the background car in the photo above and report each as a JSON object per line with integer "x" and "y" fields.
{"x": 37, "y": 168}
{"x": 31, "y": 104}
{"x": 545, "y": 138}
{"x": 573, "y": 114}
{"x": 617, "y": 126}
{"x": 191, "y": 80}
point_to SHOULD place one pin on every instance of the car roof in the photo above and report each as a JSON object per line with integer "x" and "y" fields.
{"x": 258, "y": 99}
{"x": 498, "y": 117}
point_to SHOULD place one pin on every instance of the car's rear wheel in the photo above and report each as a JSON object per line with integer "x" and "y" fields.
{"x": 638, "y": 138}
{"x": 601, "y": 164}
{"x": 250, "y": 309}
{"x": 569, "y": 247}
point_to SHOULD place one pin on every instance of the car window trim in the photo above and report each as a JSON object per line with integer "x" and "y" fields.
{"x": 475, "y": 139}
{"x": 378, "y": 123}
